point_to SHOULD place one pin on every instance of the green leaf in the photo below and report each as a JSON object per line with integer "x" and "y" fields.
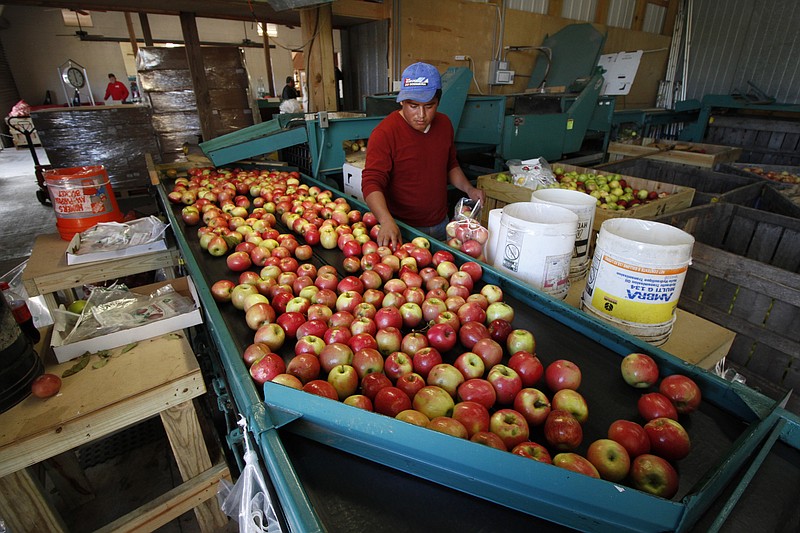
{"x": 174, "y": 336}
{"x": 77, "y": 367}
{"x": 129, "y": 347}
{"x": 101, "y": 363}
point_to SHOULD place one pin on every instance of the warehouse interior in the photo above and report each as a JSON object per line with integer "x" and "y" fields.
{"x": 712, "y": 82}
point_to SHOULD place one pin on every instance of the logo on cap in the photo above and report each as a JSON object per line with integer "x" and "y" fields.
{"x": 421, "y": 81}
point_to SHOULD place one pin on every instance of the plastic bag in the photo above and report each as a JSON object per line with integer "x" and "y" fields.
{"x": 20, "y": 109}
{"x": 248, "y": 500}
{"x": 112, "y": 236}
{"x": 534, "y": 174}
{"x": 36, "y": 305}
{"x": 465, "y": 232}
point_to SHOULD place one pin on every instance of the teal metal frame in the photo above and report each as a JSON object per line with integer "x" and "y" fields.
{"x": 696, "y": 132}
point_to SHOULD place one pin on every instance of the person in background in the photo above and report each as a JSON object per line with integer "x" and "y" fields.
{"x": 411, "y": 159}
{"x": 289, "y": 92}
{"x": 116, "y": 90}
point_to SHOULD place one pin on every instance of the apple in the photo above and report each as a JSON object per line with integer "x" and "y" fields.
{"x": 391, "y": 401}
{"x": 445, "y": 376}
{"x": 267, "y": 367}
{"x": 387, "y": 317}
{"x": 335, "y": 354}
{"x": 304, "y": 366}
{"x": 252, "y": 299}
{"x": 499, "y": 311}
{"x": 487, "y": 438}
{"x": 48, "y": 385}
{"x": 271, "y": 335}
{"x": 454, "y": 302}
{"x": 317, "y": 328}
{"x": 562, "y": 374}
{"x": 477, "y": 390}
{"x": 389, "y": 340}
{"x": 433, "y": 401}
{"x": 238, "y": 261}
{"x": 361, "y": 341}
{"x": 322, "y": 388}
{"x": 441, "y": 256}
{"x": 452, "y": 291}
{"x": 254, "y": 352}
{"x": 631, "y": 436}
{"x": 372, "y": 383}
{"x": 350, "y": 284}
{"x": 348, "y": 300}
{"x": 471, "y": 312}
{"x": 499, "y": 330}
{"x": 288, "y": 380}
{"x": 446, "y": 269}
{"x": 575, "y": 463}
{"x": 639, "y": 370}
{"x": 413, "y": 417}
{"x": 360, "y": 401}
{"x": 341, "y": 319}
{"x": 533, "y": 450}
{"x": 572, "y": 402}
{"x": 652, "y": 474}
{"x": 240, "y": 292}
{"x": 475, "y": 270}
{"x": 411, "y": 384}
{"x": 470, "y": 365}
{"x": 442, "y": 337}
{"x": 412, "y": 314}
{"x": 656, "y": 405}
{"x": 367, "y": 361}
{"x": 432, "y": 308}
{"x": 510, "y": 426}
{"x": 561, "y": 431}
{"x": 682, "y": 391}
{"x": 492, "y": 293}
{"x": 221, "y": 290}
{"x": 363, "y": 325}
{"x": 474, "y": 416}
{"x": 610, "y": 458}
{"x": 217, "y": 246}
{"x": 309, "y": 344}
{"x": 521, "y": 340}
{"x": 668, "y": 438}
{"x": 533, "y": 404}
{"x": 490, "y": 352}
{"x": 463, "y": 279}
{"x": 344, "y": 379}
{"x": 448, "y": 426}
{"x": 413, "y": 342}
{"x": 450, "y": 318}
{"x": 425, "y": 359}
{"x": 471, "y": 332}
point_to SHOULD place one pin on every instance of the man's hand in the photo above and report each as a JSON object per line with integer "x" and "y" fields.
{"x": 389, "y": 235}
{"x": 476, "y": 194}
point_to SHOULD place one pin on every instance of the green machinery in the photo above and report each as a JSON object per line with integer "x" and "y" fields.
{"x": 551, "y": 119}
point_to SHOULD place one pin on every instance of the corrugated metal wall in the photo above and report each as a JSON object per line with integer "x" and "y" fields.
{"x": 531, "y": 6}
{"x": 737, "y": 41}
{"x": 620, "y": 13}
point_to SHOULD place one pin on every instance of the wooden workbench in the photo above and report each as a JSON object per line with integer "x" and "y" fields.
{"x": 158, "y": 376}
{"x": 693, "y": 339}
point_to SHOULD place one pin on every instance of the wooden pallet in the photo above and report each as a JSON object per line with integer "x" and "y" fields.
{"x": 745, "y": 276}
{"x": 695, "y": 154}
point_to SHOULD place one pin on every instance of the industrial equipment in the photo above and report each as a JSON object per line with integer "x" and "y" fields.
{"x": 561, "y": 108}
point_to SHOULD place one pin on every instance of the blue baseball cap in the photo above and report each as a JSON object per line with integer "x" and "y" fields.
{"x": 419, "y": 82}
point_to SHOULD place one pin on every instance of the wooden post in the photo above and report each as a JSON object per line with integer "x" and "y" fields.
{"x": 146, "y": 33}
{"x": 268, "y": 60}
{"x": 638, "y": 15}
{"x": 131, "y": 34}
{"x": 601, "y": 12}
{"x": 194, "y": 57}
{"x": 24, "y": 505}
{"x": 320, "y": 74}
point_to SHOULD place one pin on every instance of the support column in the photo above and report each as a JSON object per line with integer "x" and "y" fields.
{"x": 317, "y": 31}
{"x": 194, "y": 57}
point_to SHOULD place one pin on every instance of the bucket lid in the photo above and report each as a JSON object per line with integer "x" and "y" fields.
{"x": 564, "y": 197}
{"x": 546, "y": 219}
{"x": 645, "y": 240}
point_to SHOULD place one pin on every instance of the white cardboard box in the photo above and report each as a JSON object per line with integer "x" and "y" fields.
{"x": 130, "y": 251}
{"x": 148, "y": 231}
{"x": 351, "y": 178}
{"x": 184, "y": 286}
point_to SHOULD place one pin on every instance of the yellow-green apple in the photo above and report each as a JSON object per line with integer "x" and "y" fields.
{"x": 389, "y": 340}
{"x": 445, "y": 376}
{"x": 413, "y": 342}
{"x": 344, "y": 379}
{"x": 575, "y": 463}
{"x": 610, "y": 458}
{"x": 653, "y": 474}
{"x": 433, "y": 401}
{"x": 521, "y": 340}
{"x": 572, "y": 402}
{"x": 288, "y": 380}
{"x": 493, "y": 293}
{"x": 470, "y": 365}
{"x": 272, "y": 335}
{"x": 499, "y": 310}
{"x": 240, "y": 292}
{"x": 510, "y": 426}
{"x": 639, "y": 370}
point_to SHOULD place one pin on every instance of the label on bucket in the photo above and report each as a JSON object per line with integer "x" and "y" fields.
{"x": 633, "y": 293}
{"x": 77, "y": 203}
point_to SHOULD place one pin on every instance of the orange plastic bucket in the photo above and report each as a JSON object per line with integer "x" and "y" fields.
{"x": 82, "y": 197}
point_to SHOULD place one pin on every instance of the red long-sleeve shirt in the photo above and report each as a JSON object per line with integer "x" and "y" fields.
{"x": 117, "y": 91}
{"x": 410, "y": 168}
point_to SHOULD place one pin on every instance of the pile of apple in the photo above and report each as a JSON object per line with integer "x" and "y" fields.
{"x": 612, "y": 192}
{"x": 783, "y": 176}
{"x": 407, "y": 333}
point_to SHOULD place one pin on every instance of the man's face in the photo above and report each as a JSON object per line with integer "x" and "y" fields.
{"x": 112, "y": 79}
{"x": 419, "y": 115}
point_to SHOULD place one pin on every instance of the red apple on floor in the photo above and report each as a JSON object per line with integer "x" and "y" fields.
{"x": 561, "y": 431}
{"x": 506, "y": 383}
{"x": 652, "y": 474}
{"x": 639, "y": 370}
{"x": 572, "y": 402}
{"x": 474, "y": 416}
{"x": 668, "y": 439}
{"x": 533, "y": 404}
{"x": 631, "y": 435}
{"x": 528, "y": 367}
{"x": 610, "y": 458}
{"x": 433, "y": 401}
{"x": 562, "y": 374}
{"x": 533, "y": 450}
{"x": 487, "y": 438}
{"x": 575, "y": 463}
{"x": 656, "y": 405}
{"x": 510, "y": 426}
{"x": 682, "y": 391}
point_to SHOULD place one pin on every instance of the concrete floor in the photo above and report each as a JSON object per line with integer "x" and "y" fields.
{"x": 124, "y": 470}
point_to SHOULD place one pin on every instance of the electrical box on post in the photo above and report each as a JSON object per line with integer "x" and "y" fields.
{"x": 500, "y": 74}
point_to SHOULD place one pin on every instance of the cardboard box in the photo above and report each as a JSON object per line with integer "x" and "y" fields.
{"x": 184, "y": 286}
{"x": 351, "y": 178}
{"x": 498, "y": 194}
{"x": 695, "y": 154}
{"x": 130, "y": 251}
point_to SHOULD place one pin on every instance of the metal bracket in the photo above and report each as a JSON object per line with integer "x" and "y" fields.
{"x": 280, "y": 416}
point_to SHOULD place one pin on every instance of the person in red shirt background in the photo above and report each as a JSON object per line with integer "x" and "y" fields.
{"x": 411, "y": 158}
{"x": 116, "y": 90}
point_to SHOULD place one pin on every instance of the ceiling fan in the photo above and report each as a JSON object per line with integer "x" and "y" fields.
{"x": 80, "y": 32}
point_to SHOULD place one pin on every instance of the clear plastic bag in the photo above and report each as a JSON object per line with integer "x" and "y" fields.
{"x": 465, "y": 232}
{"x": 535, "y": 174}
{"x": 112, "y": 236}
{"x": 247, "y": 500}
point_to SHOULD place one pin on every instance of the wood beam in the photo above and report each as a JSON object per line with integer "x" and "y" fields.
{"x": 555, "y": 8}
{"x": 146, "y": 33}
{"x": 638, "y": 15}
{"x": 131, "y": 34}
{"x": 669, "y": 19}
{"x": 268, "y": 61}
{"x": 359, "y": 9}
{"x": 601, "y": 12}
{"x": 197, "y": 71}
{"x": 318, "y": 53}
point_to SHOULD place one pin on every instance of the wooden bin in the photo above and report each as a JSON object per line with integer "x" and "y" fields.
{"x": 744, "y": 276}
{"x": 498, "y": 194}
{"x": 783, "y": 180}
{"x": 695, "y": 154}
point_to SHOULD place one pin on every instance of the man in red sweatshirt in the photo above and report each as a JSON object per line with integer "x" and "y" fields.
{"x": 116, "y": 90}
{"x": 411, "y": 158}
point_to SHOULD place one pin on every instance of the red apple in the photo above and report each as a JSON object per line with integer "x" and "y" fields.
{"x": 610, "y": 458}
{"x": 576, "y": 463}
{"x": 652, "y": 474}
{"x": 668, "y": 439}
{"x": 360, "y": 401}
{"x": 639, "y": 370}
{"x": 487, "y": 438}
{"x": 361, "y": 341}
{"x": 499, "y": 330}
{"x": 367, "y": 361}
{"x": 533, "y": 450}
{"x": 470, "y": 365}
{"x": 561, "y": 431}
{"x": 474, "y": 416}
{"x": 682, "y": 391}
{"x": 254, "y": 352}
{"x": 656, "y": 405}
{"x": 288, "y": 380}
{"x": 528, "y": 367}
{"x": 562, "y": 374}
{"x": 471, "y": 332}
{"x": 411, "y": 384}
{"x": 631, "y": 436}
{"x": 322, "y": 388}
{"x": 221, "y": 290}
{"x": 335, "y": 354}
{"x": 387, "y": 317}
{"x": 267, "y": 368}
{"x": 477, "y": 390}
{"x": 372, "y": 383}
{"x": 442, "y": 337}
{"x": 448, "y": 426}
{"x": 475, "y": 270}
{"x": 489, "y": 351}
{"x": 506, "y": 383}
{"x": 425, "y": 359}
{"x": 533, "y": 404}
{"x": 413, "y": 342}
{"x": 304, "y": 366}
{"x": 510, "y": 426}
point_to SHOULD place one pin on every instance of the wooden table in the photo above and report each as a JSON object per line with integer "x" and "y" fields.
{"x": 159, "y": 376}
{"x": 47, "y": 271}
{"x": 693, "y": 339}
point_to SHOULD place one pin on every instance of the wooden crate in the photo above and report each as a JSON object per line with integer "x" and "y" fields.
{"x": 498, "y": 194}
{"x": 784, "y": 195}
{"x": 745, "y": 276}
{"x": 763, "y": 140}
{"x": 695, "y": 154}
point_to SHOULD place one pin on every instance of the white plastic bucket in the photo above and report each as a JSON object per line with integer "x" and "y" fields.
{"x": 636, "y": 276}
{"x": 534, "y": 244}
{"x": 582, "y": 205}
{"x": 493, "y": 225}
